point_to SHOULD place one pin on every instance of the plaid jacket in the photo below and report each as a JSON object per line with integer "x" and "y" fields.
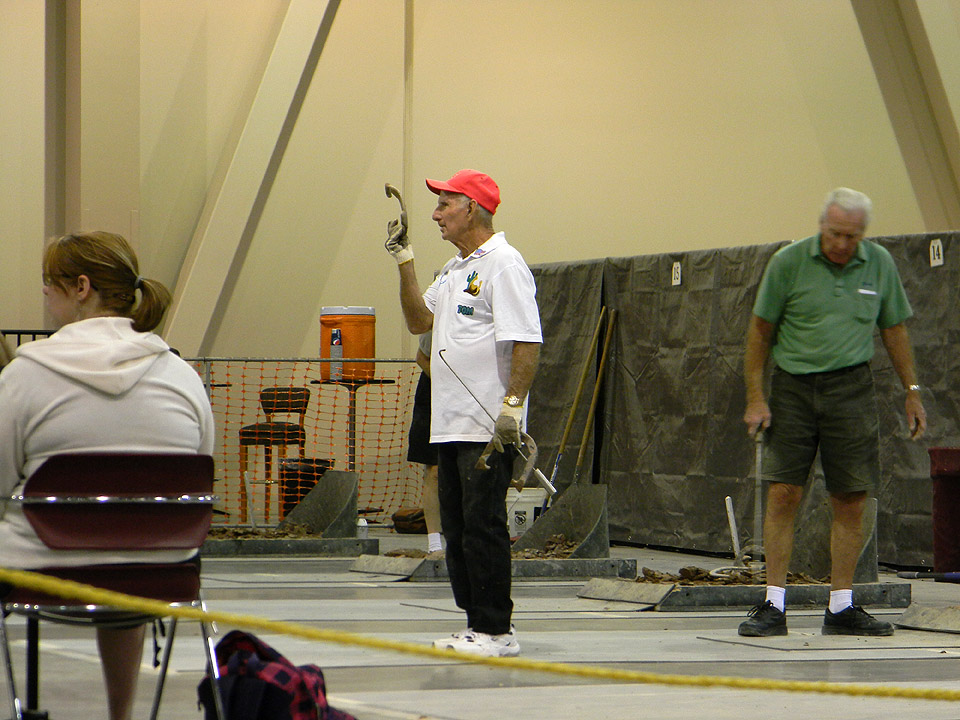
{"x": 242, "y": 654}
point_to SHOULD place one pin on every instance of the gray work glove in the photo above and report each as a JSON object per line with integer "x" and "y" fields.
{"x": 398, "y": 244}
{"x": 507, "y": 430}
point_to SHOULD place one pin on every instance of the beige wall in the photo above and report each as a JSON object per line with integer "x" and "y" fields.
{"x": 22, "y": 161}
{"x": 614, "y": 127}
{"x": 200, "y": 62}
{"x": 628, "y": 127}
{"x": 319, "y": 240}
{"x": 939, "y": 23}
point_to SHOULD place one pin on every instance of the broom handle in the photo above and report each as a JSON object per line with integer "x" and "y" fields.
{"x": 583, "y": 381}
{"x": 596, "y": 393}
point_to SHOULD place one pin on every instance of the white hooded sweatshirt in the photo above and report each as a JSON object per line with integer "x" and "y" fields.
{"x": 95, "y": 385}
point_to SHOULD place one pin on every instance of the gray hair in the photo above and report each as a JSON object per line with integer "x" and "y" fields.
{"x": 484, "y": 215}
{"x": 849, "y": 201}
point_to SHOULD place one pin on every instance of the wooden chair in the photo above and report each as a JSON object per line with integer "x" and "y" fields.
{"x": 273, "y": 401}
{"x": 108, "y": 502}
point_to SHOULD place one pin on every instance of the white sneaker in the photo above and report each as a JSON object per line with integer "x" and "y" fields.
{"x": 447, "y": 642}
{"x": 478, "y": 643}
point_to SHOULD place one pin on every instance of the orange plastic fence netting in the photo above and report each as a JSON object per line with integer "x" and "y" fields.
{"x": 283, "y": 423}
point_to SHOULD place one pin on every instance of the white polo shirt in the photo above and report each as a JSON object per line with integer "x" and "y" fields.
{"x": 481, "y": 304}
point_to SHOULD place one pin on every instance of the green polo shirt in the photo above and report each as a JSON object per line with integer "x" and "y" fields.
{"x": 825, "y": 313}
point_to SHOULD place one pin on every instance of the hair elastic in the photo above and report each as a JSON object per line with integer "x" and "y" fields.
{"x": 138, "y": 283}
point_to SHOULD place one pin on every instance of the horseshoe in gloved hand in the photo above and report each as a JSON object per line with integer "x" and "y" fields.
{"x": 391, "y": 191}
{"x": 482, "y": 463}
{"x": 530, "y": 460}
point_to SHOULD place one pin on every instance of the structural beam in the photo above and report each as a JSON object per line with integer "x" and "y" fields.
{"x": 240, "y": 190}
{"x": 910, "y": 73}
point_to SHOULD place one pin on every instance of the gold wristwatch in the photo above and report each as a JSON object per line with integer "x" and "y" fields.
{"x": 513, "y": 401}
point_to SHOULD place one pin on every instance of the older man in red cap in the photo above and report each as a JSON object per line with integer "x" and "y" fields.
{"x": 483, "y": 313}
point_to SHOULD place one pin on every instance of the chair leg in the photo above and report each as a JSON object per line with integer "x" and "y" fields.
{"x": 243, "y": 485}
{"x": 33, "y": 664}
{"x": 164, "y": 664}
{"x": 213, "y": 671}
{"x": 15, "y": 708}
{"x": 267, "y": 488}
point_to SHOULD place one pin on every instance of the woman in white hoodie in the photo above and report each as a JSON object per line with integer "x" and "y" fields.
{"x": 102, "y": 382}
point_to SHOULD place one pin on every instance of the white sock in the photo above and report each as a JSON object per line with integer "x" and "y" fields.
{"x": 433, "y": 542}
{"x": 840, "y": 600}
{"x": 776, "y": 596}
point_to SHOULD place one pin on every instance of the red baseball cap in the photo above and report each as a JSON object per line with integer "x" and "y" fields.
{"x": 475, "y": 185}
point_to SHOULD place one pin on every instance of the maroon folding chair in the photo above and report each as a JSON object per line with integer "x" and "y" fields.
{"x": 108, "y": 502}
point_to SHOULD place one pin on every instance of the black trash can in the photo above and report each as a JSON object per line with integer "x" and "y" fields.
{"x": 945, "y": 473}
{"x": 297, "y": 478}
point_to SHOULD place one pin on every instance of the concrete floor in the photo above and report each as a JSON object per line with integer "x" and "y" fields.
{"x": 553, "y": 624}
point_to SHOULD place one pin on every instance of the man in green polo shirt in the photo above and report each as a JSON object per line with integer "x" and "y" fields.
{"x": 815, "y": 312}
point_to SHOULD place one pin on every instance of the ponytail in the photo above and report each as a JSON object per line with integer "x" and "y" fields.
{"x": 154, "y": 301}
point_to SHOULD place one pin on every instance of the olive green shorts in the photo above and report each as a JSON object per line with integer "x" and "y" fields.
{"x": 835, "y": 412}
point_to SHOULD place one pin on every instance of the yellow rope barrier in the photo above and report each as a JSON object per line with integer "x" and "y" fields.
{"x": 95, "y": 596}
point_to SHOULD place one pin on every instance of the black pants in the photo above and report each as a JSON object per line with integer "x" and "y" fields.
{"x": 419, "y": 448}
{"x": 474, "y": 517}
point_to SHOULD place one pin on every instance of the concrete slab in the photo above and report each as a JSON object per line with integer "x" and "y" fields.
{"x": 337, "y": 547}
{"x": 811, "y": 642}
{"x": 680, "y": 597}
{"x": 627, "y": 702}
{"x": 384, "y": 565}
{"x": 937, "y": 619}
{"x": 579, "y": 513}
{"x": 424, "y": 569}
{"x": 330, "y": 508}
{"x": 574, "y": 568}
{"x": 626, "y": 591}
{"x": 553, "y": 624}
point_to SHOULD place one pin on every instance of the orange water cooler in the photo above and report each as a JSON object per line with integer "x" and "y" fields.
{"x": 347, "y": 332}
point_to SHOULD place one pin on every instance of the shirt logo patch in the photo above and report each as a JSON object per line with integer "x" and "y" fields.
{"x": 464, "y": 310}
{"x": 473, "y": 286}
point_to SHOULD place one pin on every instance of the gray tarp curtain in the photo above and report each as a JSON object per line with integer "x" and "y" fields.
{"x": 569, "y": 301}
{"x": 671, "y": 441}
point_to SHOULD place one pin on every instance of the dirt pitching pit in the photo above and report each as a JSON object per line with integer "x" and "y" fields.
{"x": 556, "y": 547}
{"x": 287, "y": 532}
{"x": 693, "y": 575}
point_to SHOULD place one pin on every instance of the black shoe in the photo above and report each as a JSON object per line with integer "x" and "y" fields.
{"x": 765, "y": 620}
{"x": 854, "y": 621}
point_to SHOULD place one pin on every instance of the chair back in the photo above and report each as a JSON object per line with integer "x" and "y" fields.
{"x": 109, "y": 502}
{"x": 121, "y": 501}
{"x": 285, "y": 400}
